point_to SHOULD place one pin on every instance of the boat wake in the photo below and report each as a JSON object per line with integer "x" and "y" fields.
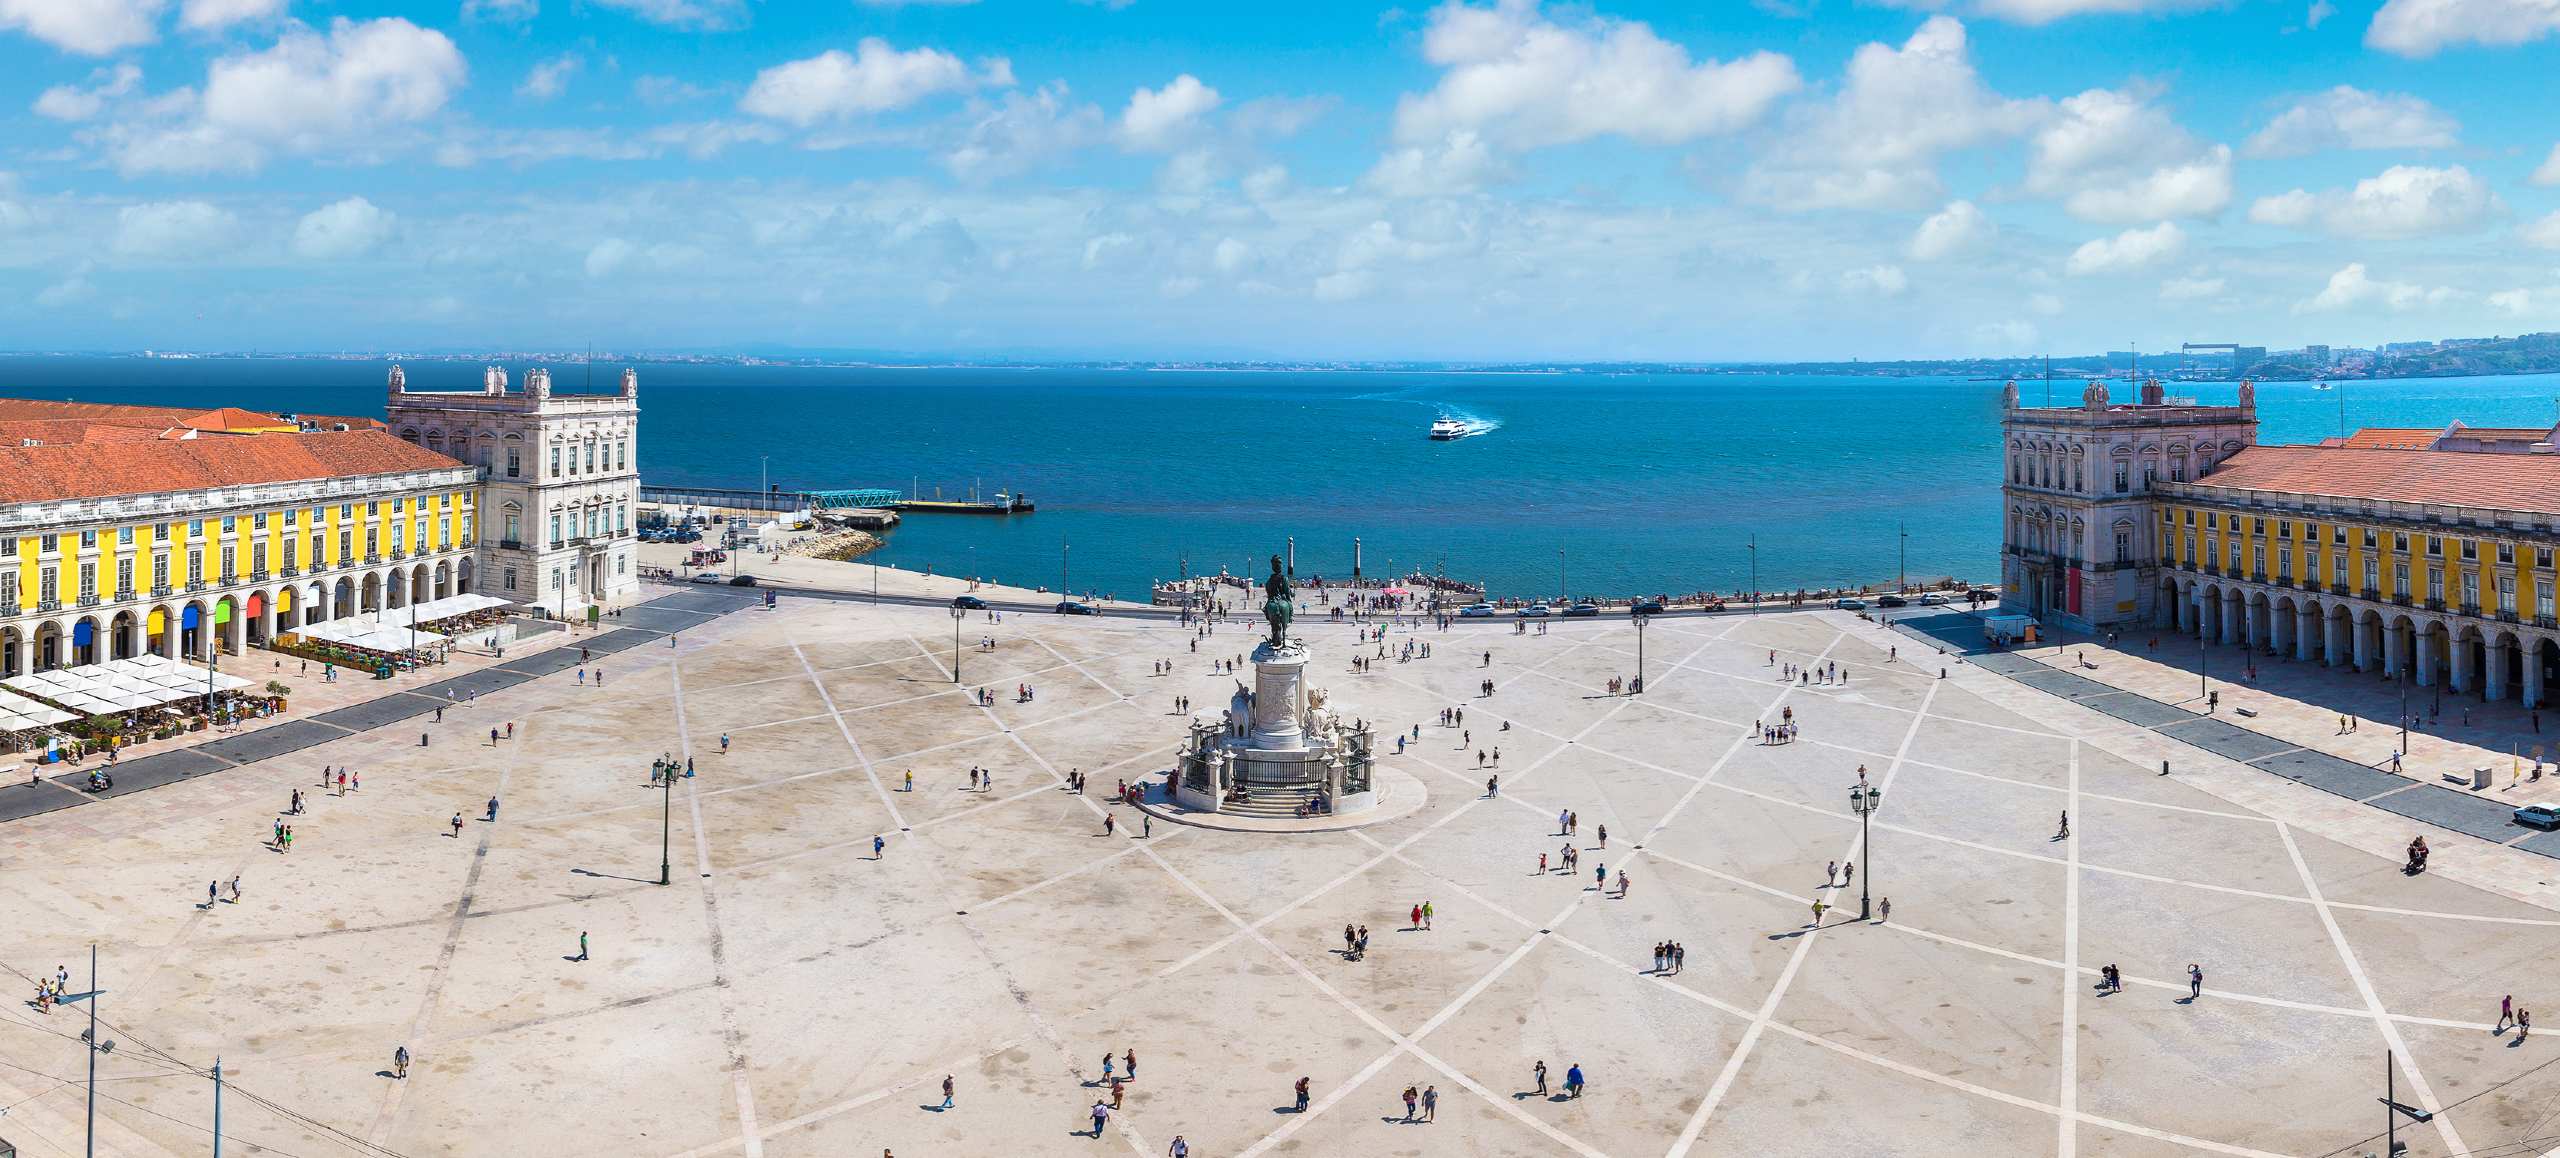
{"x": 1473, "y": 423}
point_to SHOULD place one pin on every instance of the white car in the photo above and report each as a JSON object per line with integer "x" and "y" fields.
{"x": 1475, "y": 611}
{"x": 1934, "y": 599}
{"x": 707, "y": 577}
{"x": 1534, "y": 611}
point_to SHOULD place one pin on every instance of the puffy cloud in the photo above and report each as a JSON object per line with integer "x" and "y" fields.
{"x": 1958, "y": 228}
{"x": 2544, "y": 234}
{"x": 2130, "y": 250}
{"x": 2515, "y": 302}
{"x": 2187, "y": 289}
{"x": 2402, "y": 201}
{"x": 1021, "y": 131}
{"x": 2352, "y": 288}
{"x": 2116, "y": 158}
{"x": 178, "y": 229}
{"x": 308, "y": 94}
{"x": 1515, "y": 76}
{"x": 71, "y": 102}
{"x": 2421, "y": 27}
{"x": 1160, "y": 119}
{"x": 874, "y": 78}
{"x": 1876, "y": 144}
{"x": 614, "y": 255}
{"x": 501, "y": 11}
{"x": 344, "y": 229}
{"x": 87, "y": 27}
{"x": 2548, "y": 173}
{"x": 2347, "y": 117}
{"x": 1879, "y": 280}
{"x": 212, "y": 15}
{"x": 550, "y": 78}
{"x": 1460, "y": 164}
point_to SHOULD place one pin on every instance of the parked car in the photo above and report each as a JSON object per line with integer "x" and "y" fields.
{"x": 1071, "y": 607}
{"x": 1645, "y": 607}
{"x": 969, "y": 603}
{"x": 1934, "y": 599}
{"x": 706, "y": 577}
{"x": 1850, "y": 604}
{"x": 742, "y": 581}
{"x": 1534, "y": 611}
{"x": 1582, "y": 611}
{"x": 1475, "y": 611}
{"x": 1892, "y": 601}
{"x": 2544, "y": 816}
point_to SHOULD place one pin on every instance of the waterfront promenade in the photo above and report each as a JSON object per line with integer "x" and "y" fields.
{"x": 792, "y": 992}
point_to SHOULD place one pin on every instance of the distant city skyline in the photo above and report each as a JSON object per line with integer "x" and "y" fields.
{"x": 1781, "y": 180}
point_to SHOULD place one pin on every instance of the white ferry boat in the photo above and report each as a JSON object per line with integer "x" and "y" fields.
{"x": 1450, "y": 430}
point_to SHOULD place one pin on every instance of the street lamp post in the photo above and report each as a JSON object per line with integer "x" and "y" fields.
{"x": 1064, "y": 590}
{"x": 1561, "y": 595}
{"x": 95, "y": 1047}
{"x": 1639, "y": 686}
{"x": 666, "y": 822}
{"x": 1902, "y": 558}
{"x": 957, "y": 614}
{"x": 764, "y": 477}
{"x": 1865, "y": 800}
{"x": 1753, "y": 546}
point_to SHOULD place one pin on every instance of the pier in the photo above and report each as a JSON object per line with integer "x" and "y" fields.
{"x": 848, "y": 498}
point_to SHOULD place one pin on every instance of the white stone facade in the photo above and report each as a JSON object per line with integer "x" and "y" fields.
{"x": 2080, "y": 533}
{"x": 560, "y": 477}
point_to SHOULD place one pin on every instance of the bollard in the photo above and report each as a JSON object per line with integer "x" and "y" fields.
{"x": 422, "y": 739}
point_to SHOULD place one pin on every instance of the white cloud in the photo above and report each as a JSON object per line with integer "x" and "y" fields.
{"x": 2037, "y": 12}
{"x": 501, "y": 11}
{"x": 87, "y": 27}
{"x": 1879, "y": 280}
{"x": 2402, "y": 201}
{"x": 1877, "y": 143}
{"x": 1022, "y": 131}
{"x": 874, "y": 78}
{"x": 2421, "y": 27}
{"x": 2544, "y": 234}
{"x": 550, "y": 78}
{"x": 179, "y": 229}
{"x": 1160, "y": 119}
{"x": 308, "y": 94}
{"x": 614, "y": 255}
{"x": 344, "y": 229}
{"x": 1460, "y": 164}
{"x": 1231, "y": 255}
{"x": 2347, "y": 117}
{"x": 1344, "y": 285}
{"x": 2114, "y": 157}
{"x": 2352, "y": 288}
{"x": 2514, "y": 302}
{"x": 71, "y": 102}
{"x": 2548, "y": 173}
{"x": 1519, "y": 78}
{"x": 2318, "y": 14}
{"x": 1958, "y": 228}
{"x": 705, "y": 14}
{"x": 69, "y": 291}
{"x": 2130, "y": 250}
{"x": 2188, "y": 289}
{"x": 213, "y": 15}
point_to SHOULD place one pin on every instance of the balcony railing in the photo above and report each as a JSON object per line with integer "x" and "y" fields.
{"x": 2372, "y": 593}
{"x": 46, "y": 605}
{"x": 123, "y": 594}
{"x": 161, "y": 591}
{"x": 90, "y": 600}
{"x": 2435, "y": 604}
{"x": 511, "y": 544}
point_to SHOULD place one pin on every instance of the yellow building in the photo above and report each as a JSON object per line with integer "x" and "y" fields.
{"x": 126, "y": 530}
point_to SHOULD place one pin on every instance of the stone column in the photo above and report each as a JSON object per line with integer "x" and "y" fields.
{"x": 2395, "y": 650}
{"x": 2233, "y": 613}
{"x": 2496, "y": 686}
{"x": 2533, "y": 673}
{"x": 267, "y": 619}
{"x": 2426, "y": 658}
{"x": 2465, "y": 652}
{"x": 2185, "y": 611}
{"x": 1279, "y": 696}
{"x": 2305, "y": 624}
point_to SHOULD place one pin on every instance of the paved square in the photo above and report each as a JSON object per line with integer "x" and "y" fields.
{"x": 789, "y": 993}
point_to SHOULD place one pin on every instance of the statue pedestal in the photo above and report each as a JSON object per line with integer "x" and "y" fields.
{"x": 1279, "y": 697}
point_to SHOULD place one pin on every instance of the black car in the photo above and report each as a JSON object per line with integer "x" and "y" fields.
{"x": 1892, "y": 601}
{"x": 969, "y": 603}
{"x": 742, "y": 581}
{"x": 1071, "y": 607}
{"x": 1645, "y": 607}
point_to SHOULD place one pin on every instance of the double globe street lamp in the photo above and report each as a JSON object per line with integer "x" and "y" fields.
{"x": 1864, "y": 800}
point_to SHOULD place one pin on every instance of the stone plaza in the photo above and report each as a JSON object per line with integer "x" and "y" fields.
{"x": 791, "y": 993}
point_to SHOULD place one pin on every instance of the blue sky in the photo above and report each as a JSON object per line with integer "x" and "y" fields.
{"x": 1506, "y": 179}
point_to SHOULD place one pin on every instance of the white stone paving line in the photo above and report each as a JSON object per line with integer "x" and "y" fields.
{"x": 846, "y": 730}
{"x": 1795, "y": 961}
{"x": 730, "y": 1035}
{"x": 2418, "y": 1086}
{"x": 2068, "y": 1145}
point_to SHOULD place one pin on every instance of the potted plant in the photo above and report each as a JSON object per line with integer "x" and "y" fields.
{"x": 279, "y": 689}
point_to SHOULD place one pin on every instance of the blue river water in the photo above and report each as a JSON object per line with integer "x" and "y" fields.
{"x": 1591, "y": 483}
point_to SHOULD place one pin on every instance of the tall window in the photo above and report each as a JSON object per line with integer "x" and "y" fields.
{"x": 258, "y": 558}
{"x": 88, "y": 581}
{"x": 2124, "y": 546}
{"x": 291, "y": 553}
{"x": 2124, "y": 480}
{"x": 555, "y": 462}
{"x": 124, "y": 578}
{"x": 2507, "y": 594}
{"x": 515, "y": 468}
{"x": 159, "y": 572}
{"x": 2435, "y": 584}
{"x": 230, "y": 566}
{"x": 2471, "y": 589}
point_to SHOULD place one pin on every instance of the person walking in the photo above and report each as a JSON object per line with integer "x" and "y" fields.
{"x": 1430, "y": 1102}
{"x": 1101, "y": 1116}
{"x": 457, "y": 826}
{"x": 1884, "y": 910}
{"x": 493, "y": 810}
{"x": 878, "y": 843}
{"x": 2065, "y": 831}
{"x": 1411, "y": 1096}
{"x": 1302, "y": 1095}
{"x": 1573, "y": 1080}
{"x": 1110, "y": 823}
{"x": 1539, "y": 1073}
{"x": 1416, "y": 918}
{"x": 1426, "y": 916}
{"x": 1129, "y": 1062}
{"x": 400, "y": 1063}
{"x": 1179, "y": 1149}
{"x": 2506, "y": 1013}
{"x": 212, "y": 893}
{"x": 2524, "y": 1024}
{"x": 1818, "y": 908}
{"x": 2195, "y": 982}
{"x": 1604, "y": 836}
{"x": 1119, "y": 1089}
{"x": 947, "y": 1092}
{"x": 235, "y": 888}
{"x": 582, "y": 944}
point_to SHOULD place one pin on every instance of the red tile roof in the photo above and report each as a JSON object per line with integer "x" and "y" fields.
{"x": 2516, "y": 482}
{"x": 66, "y": 430}
{"x": 2394, "y": 438}
{"x": 220, "y": 418}
{"x": 105, "y": 469}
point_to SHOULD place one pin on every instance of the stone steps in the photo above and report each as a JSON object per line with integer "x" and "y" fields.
{"x": 1272, "y": 800}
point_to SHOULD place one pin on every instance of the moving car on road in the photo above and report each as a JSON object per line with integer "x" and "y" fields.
{"x": 1582, "y": 611}
{"x": 707, "y": 577}
{"x": 1475, "y": 611}
{"x": 969, "y": 603}
{"x": 2543, "y": 816}
{"x": 1534, "y": 611}
{"x": 1071, "y": 607}
{"x": 1645, "y": 607}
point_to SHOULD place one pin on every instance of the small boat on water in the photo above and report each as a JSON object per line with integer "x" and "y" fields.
{"x": 1450, "y": 430}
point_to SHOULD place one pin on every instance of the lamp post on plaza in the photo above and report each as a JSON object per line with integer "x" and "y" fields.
{"x": 666, "y": 821}
{"x": 1865, "y": 800}
{"x": 1753, "y": 546}
{"x": 1639, "y": 686}
{"x": 1902, "y": 558}
{"x": 1064, "y": 591}
{"x": 956, "y": 615}
{"x": 1560, "y": 583}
